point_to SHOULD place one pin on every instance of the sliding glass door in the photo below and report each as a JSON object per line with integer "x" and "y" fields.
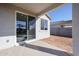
{"x": 25, "y": 27}
{"x": 31, "y": 27}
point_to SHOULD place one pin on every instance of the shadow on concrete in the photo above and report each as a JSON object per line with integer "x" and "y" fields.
{"x": 45, "y": 49}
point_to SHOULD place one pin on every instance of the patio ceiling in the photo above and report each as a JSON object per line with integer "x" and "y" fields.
{"x": 38, "y": 9}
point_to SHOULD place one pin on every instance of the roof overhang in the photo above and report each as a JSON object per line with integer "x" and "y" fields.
{"x": 37, "y": 9}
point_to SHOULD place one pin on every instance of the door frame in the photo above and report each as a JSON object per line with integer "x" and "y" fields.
{"x": 27, "y": 25}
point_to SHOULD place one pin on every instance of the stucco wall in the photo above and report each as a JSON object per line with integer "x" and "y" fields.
{"x": 40, "y": 34}
{"x": 75, "y": 29}
{"x": 7, "y": 27}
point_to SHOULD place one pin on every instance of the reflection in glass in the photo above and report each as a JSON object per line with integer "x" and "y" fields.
{"x": 21, "y": 27}
{"x": 31, "y": 27}
{"x": 44, "y": 24}
{"x": 25, "y": 27}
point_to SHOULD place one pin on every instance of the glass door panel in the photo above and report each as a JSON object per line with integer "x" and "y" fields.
{"x": 21, "y": 27}
{"x": 31, "y": 27}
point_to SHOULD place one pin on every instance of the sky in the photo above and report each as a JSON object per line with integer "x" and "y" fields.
{"x": 63, "y": 13}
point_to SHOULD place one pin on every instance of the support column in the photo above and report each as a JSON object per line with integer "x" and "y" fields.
{"x": 75, "y": 28}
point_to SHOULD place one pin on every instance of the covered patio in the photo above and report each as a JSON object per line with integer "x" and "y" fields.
{"x": 37, "y": 48}
{"x": 34, "y": 10}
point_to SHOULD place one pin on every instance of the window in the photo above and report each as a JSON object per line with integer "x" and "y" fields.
{"x": 44, "y": 24}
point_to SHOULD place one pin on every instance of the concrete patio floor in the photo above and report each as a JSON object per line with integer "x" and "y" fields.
{"x": 37, "y": 48}
{"x": 64, "y": 43}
